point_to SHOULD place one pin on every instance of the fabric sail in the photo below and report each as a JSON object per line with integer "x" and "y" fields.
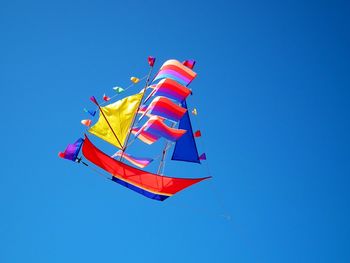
{"x": 148, "y": 184}
{"x": 185, "y": 147}
{"x": 120, "y": 115}
{"x": 173, "y": 69}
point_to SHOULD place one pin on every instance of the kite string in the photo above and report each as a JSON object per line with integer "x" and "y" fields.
{"x": 215, "y": 191}
{"x": 93, "y": 169}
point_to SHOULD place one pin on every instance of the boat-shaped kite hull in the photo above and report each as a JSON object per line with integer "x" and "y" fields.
{"x": 151, "y": 185}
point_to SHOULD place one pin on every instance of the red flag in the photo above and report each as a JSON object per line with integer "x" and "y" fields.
{"x": 189, "y": 63}
{"x": 151, "y": 61}
{"x": 106, "y": 98}
{"x": 197, "y": 134}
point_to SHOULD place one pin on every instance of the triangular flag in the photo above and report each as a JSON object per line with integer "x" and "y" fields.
{"x": 194, "y": 111}
{"x": 91, "y": 112}
{"x": 106, "y": 98}
{"x": 93, "y": 99}
{"x": 134, "y": 79}
{"x": 202, "y": 156}
{"x": 86, "y": 122}
{"x": 118, "y": 89}
{"x": 197, "y": 134}
{"x": 189, "y": 63}
{"x": 151, "y": 61}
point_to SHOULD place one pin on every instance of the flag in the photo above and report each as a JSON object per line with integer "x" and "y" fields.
{"x": 106, "y": 98}
{"x": 189, "y": 63}
{"x": 86, "y": 122}
{"x": 197, "y": 134}
{"x": 118, "y": 89}
{"x": 202, "y": 156}
{"x": 151, "y": 61}
{"x": 135, "y": 80}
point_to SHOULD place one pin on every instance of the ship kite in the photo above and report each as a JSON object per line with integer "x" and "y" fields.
{"x": 158, "y": 112}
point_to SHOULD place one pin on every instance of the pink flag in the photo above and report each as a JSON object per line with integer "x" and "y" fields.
{"x": 151, "y": 61}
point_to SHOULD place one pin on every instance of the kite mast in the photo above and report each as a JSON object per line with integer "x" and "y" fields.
{"x": 166, "y": 148}
{"x": 151, "y": 63}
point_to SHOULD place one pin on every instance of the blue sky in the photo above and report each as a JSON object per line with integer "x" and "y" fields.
{"x": 273, "y": 96}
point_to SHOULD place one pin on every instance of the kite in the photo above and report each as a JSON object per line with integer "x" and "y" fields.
{"x": 158, "y": 112}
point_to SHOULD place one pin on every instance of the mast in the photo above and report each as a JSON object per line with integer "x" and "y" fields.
{"x": 138, "y": 108}
{"x": 166, "y": 148}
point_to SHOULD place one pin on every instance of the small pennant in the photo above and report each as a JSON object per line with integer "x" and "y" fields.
{"x": 61, "y": 154}
{"x": 194, "y": 111}
{"x": 135, "y": 80}
{"x": 106, "y": 98}
{"x": 93, "y": 99}
{"x": 197, "y": 134}
{"x": 151, "y": 61}
{"x": 86, "y": 122}
{"x": 189, "y": 63}
{"x": 202, "y": 157}
{"x": 91, "y": 112}
{"x": 118, "y": 89}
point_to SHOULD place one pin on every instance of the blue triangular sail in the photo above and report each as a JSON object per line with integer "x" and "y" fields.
{"x": 185, "y": 148}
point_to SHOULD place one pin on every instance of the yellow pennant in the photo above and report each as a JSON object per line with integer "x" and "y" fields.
{"x": 135, "y": 80}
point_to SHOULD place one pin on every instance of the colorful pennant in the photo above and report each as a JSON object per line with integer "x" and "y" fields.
{"x": 106, "y": 98}
{"x": 93, "y": 99}
{"x": 72, "y": 150}
{"x": 202, "y": 156}
{"x": 135, "y": 80}
{"x": 91, "y": 112}
{"x": 189, "y": 63}
{"x": 86, "y": 122}
{"x": 151, "y": 61}
{"x": 118, "y": 89}
{"x": 197, "y": 134}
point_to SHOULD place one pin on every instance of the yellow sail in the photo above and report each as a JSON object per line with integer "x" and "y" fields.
{"x": 120, "y": 115}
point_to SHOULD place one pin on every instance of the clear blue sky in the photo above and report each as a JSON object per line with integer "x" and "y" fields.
{"x": 273, "y": 96}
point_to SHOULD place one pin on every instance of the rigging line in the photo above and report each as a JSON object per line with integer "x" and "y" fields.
{"x": 130, "y": 86}
{"x": 226, "y": 213}
{"x": 165, "y": 149}
{"x": 160, "y": 155}
{"x": 135, "y": 115}
{"x": 79, "y": 160}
